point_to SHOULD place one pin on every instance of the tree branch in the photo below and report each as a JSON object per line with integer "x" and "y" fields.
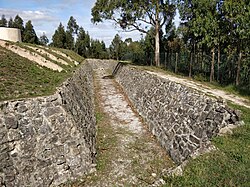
{"x": 137, "y": 28}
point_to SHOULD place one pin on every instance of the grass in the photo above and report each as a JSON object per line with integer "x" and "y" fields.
{"x": 21, "y": 78}
{"x": 71, "y": 53}
{"x": 47, "y": 49}
{"x": 227, "y": 166}
{"x": 25, "y": 46}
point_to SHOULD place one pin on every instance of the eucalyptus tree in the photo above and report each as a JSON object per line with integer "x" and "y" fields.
{"x": 72, "y": 30}
{"x": 136, "y": 15}
{"x": 202, "y": 19}
{"x": 237, "y": 16}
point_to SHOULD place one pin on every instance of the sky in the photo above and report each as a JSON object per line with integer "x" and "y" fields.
{"x": 47, "y": 14}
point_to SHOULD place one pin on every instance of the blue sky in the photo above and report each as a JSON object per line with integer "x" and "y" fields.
{"x": 47, "y": 14}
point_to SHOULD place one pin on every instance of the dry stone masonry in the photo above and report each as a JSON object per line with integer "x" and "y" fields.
{"x": 182, "y": 119}
{"x": 49, "y": 140}
{"x": 46, "y": 141}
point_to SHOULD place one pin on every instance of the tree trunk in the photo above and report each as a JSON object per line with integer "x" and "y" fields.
{"x": 157, "y": 37}
{"x": 218, "y": 71}
{"x": 212, "y": 66}
{"x": 176, "y": 62}
{"x": 238, "y": 70}
{"x": 157, "y": 45}
{"x": 202, "y": 63}
{"x": 190, "y": 65}
{"x": 165, "y": 60}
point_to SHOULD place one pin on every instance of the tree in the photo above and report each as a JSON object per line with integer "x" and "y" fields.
{"x": 18, "y": 23}
{"x": 98, "y": 49}
{"x": 3, "y": 21}
{"x": 82, "y": 45}
{"x": 237, "y": 16}
{"x": 43, "y": 39}
{"x": 72, "y": 29}
{"x": 29, "y": 35}
{"x": 59, "y": 37}
{"x": 201, "y": 18}
{"x": 136, "y": 15}
{"x": 72, "y": 26}
{"x": 11, "y": 23}
{"x": 116, "y": 47}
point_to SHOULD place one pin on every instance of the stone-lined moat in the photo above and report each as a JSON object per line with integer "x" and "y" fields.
{"x": 182, "y": 119}
{"x": 48, "y": 140}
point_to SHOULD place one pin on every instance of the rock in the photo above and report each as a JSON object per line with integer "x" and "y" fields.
{"x": 11, "y": 122}
{"x": 153, "y": 174}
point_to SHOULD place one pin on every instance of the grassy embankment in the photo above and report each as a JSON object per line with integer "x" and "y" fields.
{"x": 20, "y": 78}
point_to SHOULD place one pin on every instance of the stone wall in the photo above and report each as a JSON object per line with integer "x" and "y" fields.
{"x": 103, "y": 64}
{"x": 10, "y": 34}
{"x": 48, "y": 140}
{"x": 182, "y": 119}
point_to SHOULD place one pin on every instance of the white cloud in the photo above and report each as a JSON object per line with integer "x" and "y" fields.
{"x": 34, "y": 15}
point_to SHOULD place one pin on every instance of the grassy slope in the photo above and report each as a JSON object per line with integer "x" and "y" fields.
{"x": 20, "y": 77}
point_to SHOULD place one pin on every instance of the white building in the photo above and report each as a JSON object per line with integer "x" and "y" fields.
{"x": 10, "y": 34}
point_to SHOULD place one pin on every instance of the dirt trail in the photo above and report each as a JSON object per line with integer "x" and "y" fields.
{"x": 135, "y": 158}
{"x": 205, "y": 89}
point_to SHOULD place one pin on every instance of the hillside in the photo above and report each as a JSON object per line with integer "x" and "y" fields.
{"x": 29, "y": 70}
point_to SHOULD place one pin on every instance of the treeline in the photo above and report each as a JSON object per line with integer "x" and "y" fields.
{"x": 211, "y": 43}
{"x": 75, "y": 38}
{"x": 216, "y": 32}
{"x": 28, "y": 33}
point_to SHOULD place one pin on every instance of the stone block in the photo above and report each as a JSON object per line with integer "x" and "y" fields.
{"x": 11, "y": 122}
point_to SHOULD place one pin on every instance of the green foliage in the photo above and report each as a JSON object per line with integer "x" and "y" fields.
{"x": 216, "y": 28}
{"x": 72, "y": 29}
{"x": 72, "y": 54}
{"x": 18, "y": 23}
{"x": 43, "y": 40}
{"x": 59, "y": 37}
{"x": 72, "y": 26}
{"x": 117, "y": 48}
{"x": 136, "y": 15}
{"x": 82, "y": 45}
{"x": 11, "y": 23}
{"x": 98, "y": 49}
{"x": 3, "y": 21}
{"x": 29, "y": 35}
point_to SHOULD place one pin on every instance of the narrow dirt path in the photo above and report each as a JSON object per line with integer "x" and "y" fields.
{"x": 128, "y": 155}
{"x": 205, "y": 89}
